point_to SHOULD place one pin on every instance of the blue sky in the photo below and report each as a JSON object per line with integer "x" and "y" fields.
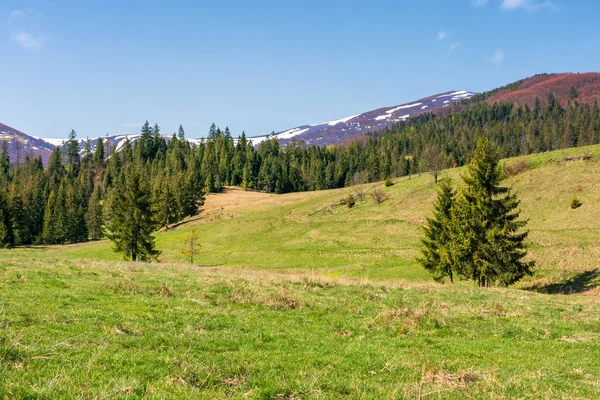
{"x": 260, "y": 66}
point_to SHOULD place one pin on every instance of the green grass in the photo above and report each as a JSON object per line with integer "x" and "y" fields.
{"x": 289, "y": 305}
{"x": 124, "y": 330}
{"x": 381, "y": 241}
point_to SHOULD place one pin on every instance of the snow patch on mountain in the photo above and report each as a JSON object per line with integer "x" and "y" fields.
{"x": 339, "y": 121}
{"x": 291, "y": 133}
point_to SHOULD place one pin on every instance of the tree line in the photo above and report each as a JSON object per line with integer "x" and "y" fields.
{"x": 88, "y": 195}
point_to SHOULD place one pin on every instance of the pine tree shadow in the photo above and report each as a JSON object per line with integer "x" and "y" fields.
{"x": 579, "y": 283}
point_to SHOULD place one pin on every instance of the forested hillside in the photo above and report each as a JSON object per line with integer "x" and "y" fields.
{"x": 76, "y": 196}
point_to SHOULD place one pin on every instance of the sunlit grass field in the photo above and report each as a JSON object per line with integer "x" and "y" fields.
{"x": 292, "y": 299}
{"x": 72, "y": 329}
{"x": 381, "y": 241}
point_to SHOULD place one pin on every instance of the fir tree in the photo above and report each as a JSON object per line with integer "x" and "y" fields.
{"x": 165, "y": 205}
{"x": 487, "y": 243}
{"x": 56, "y": 168}
{"x": 94, "y": 217}
{"x": 49, "y": 233}
{"x": 87, "y": 153}
{"x": 573, "y": 93}
{"x": 4, "y": 164}
{"x": 131, "y": 225}
{"x": 18, "y": 213}
{"x": 6, "y": 223}
{"x": 99, "y": 153}
{"x": 437, "y": 241}
{"x": 192, "y": 246}
{"x": 73, "y": 159}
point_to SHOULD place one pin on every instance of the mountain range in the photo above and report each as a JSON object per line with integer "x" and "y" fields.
{"x": 524, "y": 92}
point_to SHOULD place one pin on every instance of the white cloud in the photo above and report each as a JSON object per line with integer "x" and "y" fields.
{"x": 498, "y": 57}
{"x": 453, "y": 47}
{"x": 16, "y": 15}
{"x": 27, "y": 40}
{"x": 528, "y": 5}
{"x": 442, "y": 35}
{"x": 21, "y": 33}
{"x": 479, "y": 3}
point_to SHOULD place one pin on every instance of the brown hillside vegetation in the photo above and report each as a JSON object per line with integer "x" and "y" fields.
{"x": 587, "y": 86}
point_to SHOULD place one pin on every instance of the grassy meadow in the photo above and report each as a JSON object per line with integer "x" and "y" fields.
{"x": 292, "y": 299}
{"x": 381, "y": 241}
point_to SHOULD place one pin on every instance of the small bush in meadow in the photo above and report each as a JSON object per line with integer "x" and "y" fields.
{"x": 378, "y": 196}
{"x": 388, "y": 182}
{"x": 575, "y": 203}
{"x": 350, "y": 201}
{"x": 516, "y": 168}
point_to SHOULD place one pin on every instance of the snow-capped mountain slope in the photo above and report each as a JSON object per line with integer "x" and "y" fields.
{"x": 326, "y": 133}
{"x": 20, "y": 144}
{"x": 343, "y": 129}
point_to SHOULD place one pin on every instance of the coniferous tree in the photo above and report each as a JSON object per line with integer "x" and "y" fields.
{"x": 437, "y": 241}
{"x": 6, "y": 223}
{"x": 55, "y": 169}
{"x": 165, "y": 205}
{"x": 573, "y": 93}
{"x": 488, "y": 246}
{"x": 131, "y": 225}
{"x": 73, "y": 159}
{"x": 99, "y": 153}
{"x": 94, "y": 217}
{"x": 4, "y": 164}
{"x": 87, "y": 159}
{"x": 49, "y": 233}
{"x": 18, "y": 215}
{"x": 192, "y": 246}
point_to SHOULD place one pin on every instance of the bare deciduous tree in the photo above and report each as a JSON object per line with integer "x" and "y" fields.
{"x": 433, "y": 160}
{"x": 378, "y": 195}
{"x": 359, "y": 184}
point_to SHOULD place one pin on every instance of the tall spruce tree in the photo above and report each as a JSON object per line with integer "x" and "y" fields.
{"x": 99, "y": 153}
{"x": 73, "y": 158}
{"x": 131, "y": 225}
{"x": 437, "y": 241}
{"x": 94, "y": 217}
{"x": 49, "y": 233}
{"x": 487, "y": 243}
{"x": 4, "y": 164}
{"x": 6, "y": 224}
{"x": 165, "y": 203}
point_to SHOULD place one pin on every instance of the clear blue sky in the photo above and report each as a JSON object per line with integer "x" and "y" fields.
{"x": 260, "y": 66}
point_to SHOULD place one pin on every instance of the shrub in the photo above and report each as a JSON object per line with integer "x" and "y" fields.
{"x": 516, "y": 168}
{"x": 378, "y": 195}
{"x": 575, "y": 203}
{"x": 350, "y": 201}
{"x": 388, "y": 182}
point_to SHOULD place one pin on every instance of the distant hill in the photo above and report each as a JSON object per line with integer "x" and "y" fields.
{"x": 344, "y": 129}
{"x": 587, "y": 86}
{"x": 20, "y": 144}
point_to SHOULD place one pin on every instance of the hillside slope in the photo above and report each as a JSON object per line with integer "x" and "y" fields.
{"x": 587, "y": 86}
{"x": 344, "y": 129}
{"x": 381, "y": 241}
{"x": 20, "y": 144}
